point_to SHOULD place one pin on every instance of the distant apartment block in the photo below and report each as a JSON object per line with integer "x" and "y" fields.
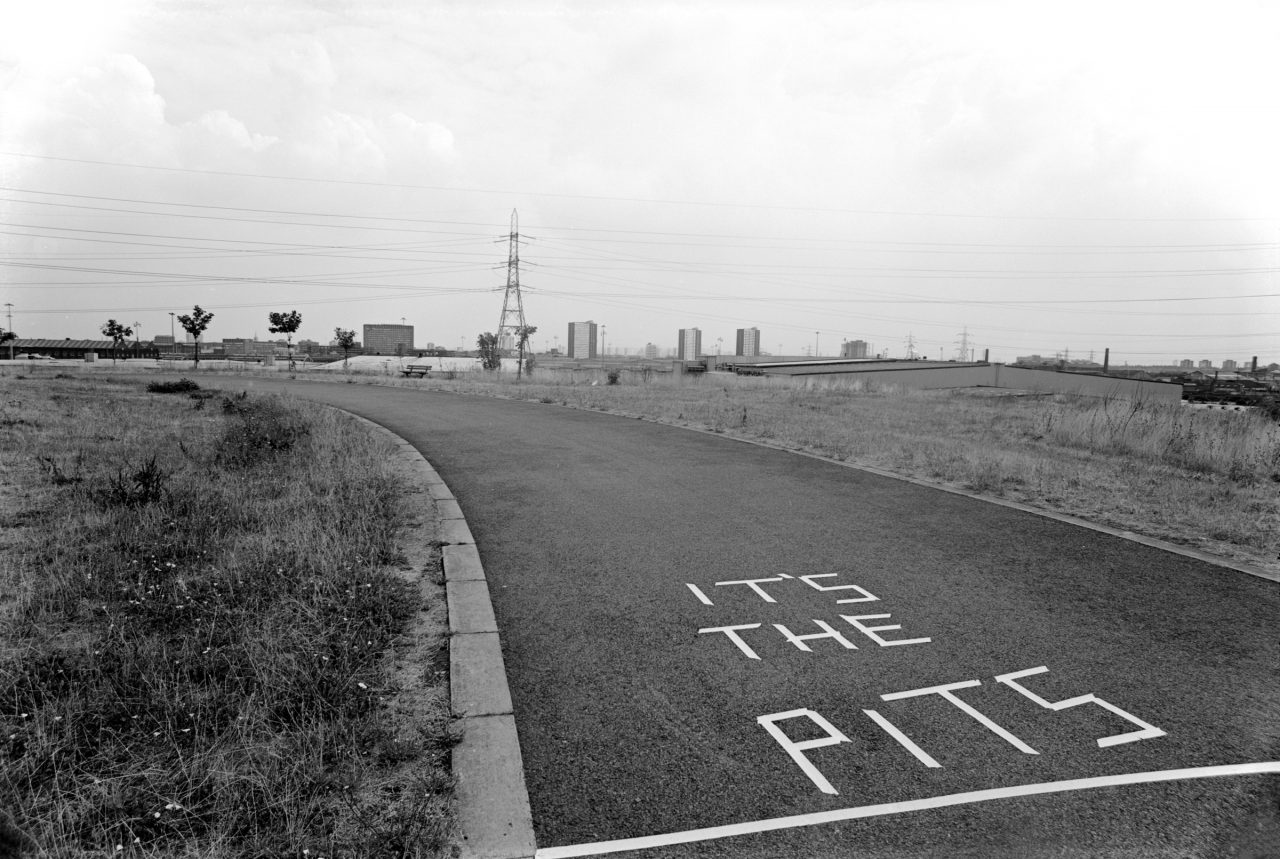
{"x": 1205, "y": 364}
{"x": 582, "y": 340}
{"x": 1229, "y": 365}
{"x": 690, "y": 344}
{"x": 748, "y": 342}
{"x": 1186, "y": 364}
{"x": 853, "y": 349}
{"x": 388, "y": 339}
{"x": 247, "y": 347}
{"x": 650, "y": 351}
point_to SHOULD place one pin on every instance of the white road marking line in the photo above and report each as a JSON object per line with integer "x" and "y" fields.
{"x": 795, "y": 821}
{"x": 945, "y": 692}
{"x": 732, "y": 632}
{"x": 1146, "y": 731}
{"x": 797, "y": 748}
{"x": 903, "y": 740}
{"x": 697, "y": 592}
{"x": 828, "y": 632}
{"x": 754, "y": 584}
{"x": 870, "y": 631}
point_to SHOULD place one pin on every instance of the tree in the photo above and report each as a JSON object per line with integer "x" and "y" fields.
{"x": 118, "y": 334}
{"x": 523, "y": 334}
{"x": 8, "y": 337}
{"x": 195, "y": 325}
{"x": 286, "y": 324}
{"x": 346, "y": 339}
{"x": 490, "y": 356}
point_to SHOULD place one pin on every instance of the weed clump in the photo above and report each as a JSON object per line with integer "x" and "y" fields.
{"x": 144, "y": 485}
{"x": 259, "y": 429}
{"x": 181, "y": 386}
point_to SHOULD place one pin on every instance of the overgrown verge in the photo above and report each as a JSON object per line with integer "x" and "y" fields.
{"x": 199, "y": 658}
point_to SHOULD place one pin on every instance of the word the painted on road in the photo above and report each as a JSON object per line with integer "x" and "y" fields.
{"x": 802, "y": 642}
{"x": 834, "y": 736}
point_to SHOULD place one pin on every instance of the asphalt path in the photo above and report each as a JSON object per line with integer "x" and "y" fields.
{"x": 612, "y": 547}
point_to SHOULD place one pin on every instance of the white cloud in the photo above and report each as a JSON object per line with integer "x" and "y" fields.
{"x": 222, "y": 126}
{"x": 434, "y": 137}
{"x": 109, "y": 110}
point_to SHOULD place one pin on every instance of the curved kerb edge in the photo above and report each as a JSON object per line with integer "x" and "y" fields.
{"x": 494, "y": 821}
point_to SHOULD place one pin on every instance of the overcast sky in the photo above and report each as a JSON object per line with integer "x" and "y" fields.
{"x": 1045, "y": 176}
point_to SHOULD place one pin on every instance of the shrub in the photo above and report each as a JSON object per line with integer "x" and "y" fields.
{"x": 181, "y": 386}
{"x": 262, "y": 428}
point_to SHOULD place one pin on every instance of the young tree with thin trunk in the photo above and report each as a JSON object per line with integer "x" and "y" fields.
{"x": 346, "y": 340}
{"x": 195, "y": 325}
{"x": 286, "y": 324}
{"x": 118, "y": 333}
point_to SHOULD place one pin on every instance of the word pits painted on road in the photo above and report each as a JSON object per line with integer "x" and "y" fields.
{"x": 834, "y": 736}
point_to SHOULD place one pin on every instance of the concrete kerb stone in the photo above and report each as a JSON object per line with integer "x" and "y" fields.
{"x": 494, "y": 820}
{"x": 447, "y": 508}
{"x": 470, "y": 610}
{"x": 462, "y": 564}
{"x": 455, "y": 532}
{"x": 478, "y": 684}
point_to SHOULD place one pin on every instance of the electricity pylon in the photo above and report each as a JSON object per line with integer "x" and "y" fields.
{"x": 511, "y": 325}
{"x": 962, "y": 345}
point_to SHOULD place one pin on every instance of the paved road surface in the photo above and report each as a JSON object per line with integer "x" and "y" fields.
{"x": 654, "y": 588}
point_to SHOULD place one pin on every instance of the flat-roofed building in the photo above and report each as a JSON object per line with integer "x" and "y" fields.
{"x": 582, "y": 340}
{"x": 689, "y": 346}
{"x": 748, "y": 342}
{"x": 853, "y": 349}
{"x": 388, "y": 339}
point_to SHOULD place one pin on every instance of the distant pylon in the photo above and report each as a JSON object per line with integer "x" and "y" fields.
{"x": 512, "y": 321}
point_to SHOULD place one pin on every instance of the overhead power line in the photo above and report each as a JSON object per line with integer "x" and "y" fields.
{"x": 509, "y": 192}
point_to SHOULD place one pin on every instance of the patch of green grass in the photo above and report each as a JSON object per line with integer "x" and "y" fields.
{"x": 199, "y": 656}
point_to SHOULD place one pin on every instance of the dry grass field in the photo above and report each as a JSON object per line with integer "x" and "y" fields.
{"x": 204, "y": 607}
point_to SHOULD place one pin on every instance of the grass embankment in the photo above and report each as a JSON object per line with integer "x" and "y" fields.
{"x": 1203, "y": 478}
{"x": 203, "y": 648}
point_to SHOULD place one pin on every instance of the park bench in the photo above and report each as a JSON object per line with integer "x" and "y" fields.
{"x": 416, "y": 370}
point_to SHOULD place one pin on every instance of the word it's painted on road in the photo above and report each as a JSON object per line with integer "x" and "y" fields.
{"x": 826, "y": 631}
{"x": 757, "y": 585}
{"x": 834, "y": 736}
